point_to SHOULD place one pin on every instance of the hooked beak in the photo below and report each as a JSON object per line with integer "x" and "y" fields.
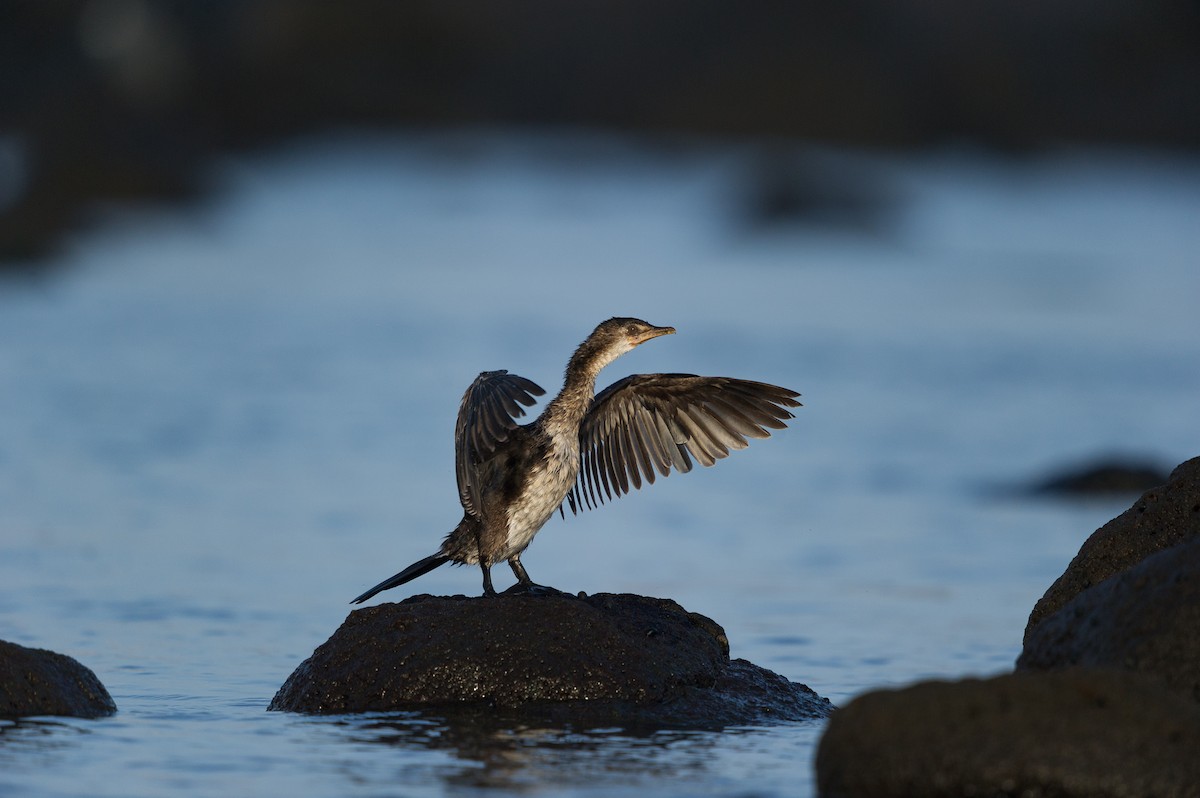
{"x": 652, "y": 333}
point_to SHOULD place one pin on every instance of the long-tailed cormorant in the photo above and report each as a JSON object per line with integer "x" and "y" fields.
{"x": 584, "y": 448}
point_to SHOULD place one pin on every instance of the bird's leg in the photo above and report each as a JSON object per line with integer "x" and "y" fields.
{"x": 524, "y": 583}
{"x": 484, "y": 562}
{"x": 488, "y": 590}
{"x": 522, "y": 575}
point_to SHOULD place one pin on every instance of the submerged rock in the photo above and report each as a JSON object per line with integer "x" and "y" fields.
{"x": 1163, "y": 517}
{"x": 586, "y": 659}
{"x": 1078, "y": 732}
{"x": 1106, "y": 477}
{"x": 34, "y": 681}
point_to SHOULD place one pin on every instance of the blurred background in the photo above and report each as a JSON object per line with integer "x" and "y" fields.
{"x": 105, "y": 100}
{"x": 251, "y": 254}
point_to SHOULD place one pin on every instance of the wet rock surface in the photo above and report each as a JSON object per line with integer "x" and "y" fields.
{"x": 587, "y": 659}
{"x": 34, "y": 682}
{"x": 1161, "y": 518}
{"x": 1068, "y": 733}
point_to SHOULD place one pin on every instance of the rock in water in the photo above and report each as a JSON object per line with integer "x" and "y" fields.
{"x": 38, "y": 682}
{"x": 587, "y": 659}
{"x": 1143, "y": 619}
{"x": 1102, "y": 478}
{"x": 1072, "y": 734}
{"x": 1163, "y": 517}
{"x": 1104, "y": 703}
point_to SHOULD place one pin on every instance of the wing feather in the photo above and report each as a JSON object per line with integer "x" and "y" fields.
{"x": 700, "y": 443}
{"x": 619, "y": 458}
{"x": 486, "y": 418}
{"x": 649, "y": 422}
{"x": 738, "y": 420}
{"x": 675, "y": 441}
{"x": 655, "y": 458}
{"x": 604, "y": 466}
{"x": 640, "y": 463}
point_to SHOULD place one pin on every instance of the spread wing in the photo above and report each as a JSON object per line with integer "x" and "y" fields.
{"x": 656, "y": 422}
{"x": 486, "y": 418}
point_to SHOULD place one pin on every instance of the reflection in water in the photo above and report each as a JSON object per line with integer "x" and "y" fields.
{"x": 496, "y": 750}
{"x": 22, "y": 731}
{"x": 36, "y": 743}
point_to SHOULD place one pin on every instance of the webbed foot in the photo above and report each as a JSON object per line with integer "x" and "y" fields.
{"x": 532, "y": 589}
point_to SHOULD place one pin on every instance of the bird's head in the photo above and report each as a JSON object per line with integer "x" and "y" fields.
{"x": 615, "y": 337}
{"x": 632, "y": 332}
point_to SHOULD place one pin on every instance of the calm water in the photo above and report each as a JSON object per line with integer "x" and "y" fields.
{"x": 219, "y": 424}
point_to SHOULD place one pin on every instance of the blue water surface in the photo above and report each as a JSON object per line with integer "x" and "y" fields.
{"x": 219, "y": 423}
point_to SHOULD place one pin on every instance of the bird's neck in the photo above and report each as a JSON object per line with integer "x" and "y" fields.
{"x": 566, "y": 411}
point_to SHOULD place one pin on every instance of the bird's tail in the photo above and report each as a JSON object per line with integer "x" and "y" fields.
{"x": 419, "y": 568}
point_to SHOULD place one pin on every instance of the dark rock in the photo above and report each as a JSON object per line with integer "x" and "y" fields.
{"x": 1144, "y": 619}
{"x": 584, "y": 659}
{"x": 1163, "y": 517}
{"x": 1067, "y": 733}
{"x": 1105, "y": 478}
{"x": 38, "y": 682}
{"x": 785, "y": 186}
{"x": 1127, "y": 609}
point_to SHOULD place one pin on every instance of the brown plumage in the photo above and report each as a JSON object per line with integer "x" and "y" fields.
{"x": 584, "y": 449}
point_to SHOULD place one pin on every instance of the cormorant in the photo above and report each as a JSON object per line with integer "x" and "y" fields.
{"x": 584, "y": 448}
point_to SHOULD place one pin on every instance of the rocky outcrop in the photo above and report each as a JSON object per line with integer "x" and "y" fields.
{"x": 1163, "y": 517}
{"x": 38, "y": 682}
{"x": 588, "y": 659}
{"x": 1069, "y": 733}
{"x": 1100, "y": 703}
{"x": 1144, "y": 619}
